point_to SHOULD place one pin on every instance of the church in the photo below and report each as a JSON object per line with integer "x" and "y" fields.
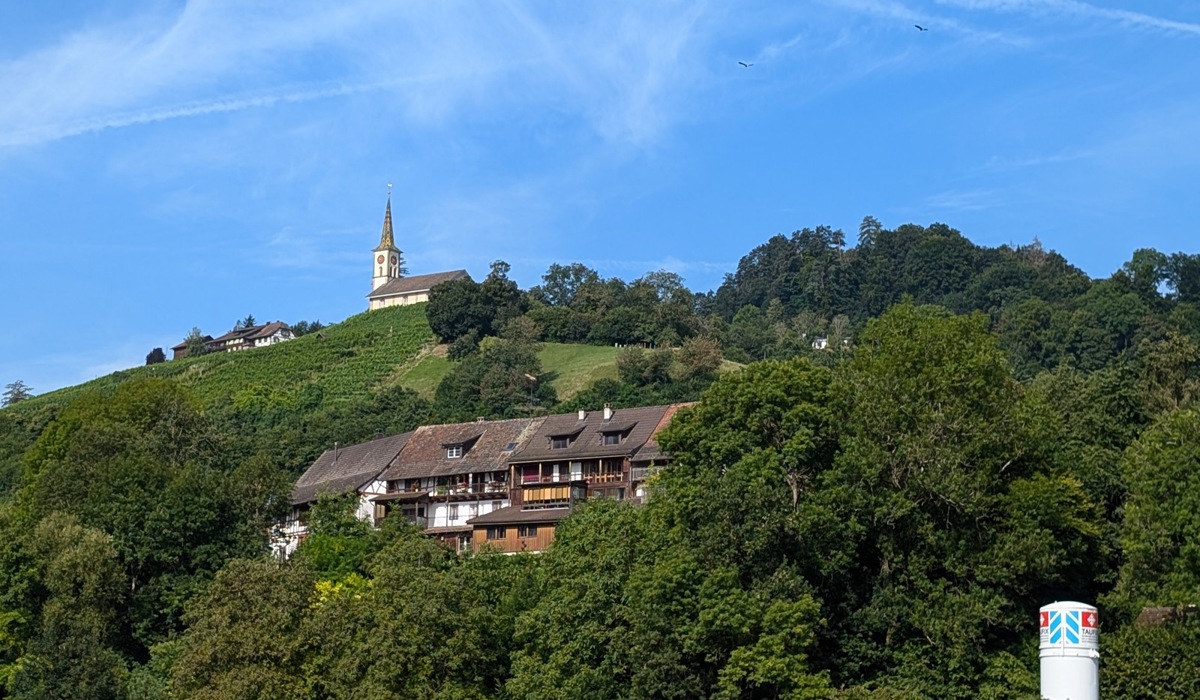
{"x": 389, "y": 284}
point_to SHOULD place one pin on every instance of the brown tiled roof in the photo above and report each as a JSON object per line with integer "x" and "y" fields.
{"x": 638, "y": 424}
{"x": 416, "y": 283}
{"x": 514, "y": 515}
{"x": 346, "y": 468}
{"x": 487, "y": 446}
{"x": 261, "y": 331}
{"x": 267, "y": 330}
{"x": 651, "y": 450}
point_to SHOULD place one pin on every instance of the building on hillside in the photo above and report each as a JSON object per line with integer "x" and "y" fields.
{"x": 389, "y": 284}
{"x": 448, "y": 474}
{"x": 251, "y": 337}
{"x": 572, "y": 457}
{"x": 241, "y": 339}
{"x": 181, "y": 351}
{"x": 501, "y": 484}
{"x": 350, "y": 469}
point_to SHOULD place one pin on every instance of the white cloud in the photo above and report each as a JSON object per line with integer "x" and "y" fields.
{"x": 623, "y": 68}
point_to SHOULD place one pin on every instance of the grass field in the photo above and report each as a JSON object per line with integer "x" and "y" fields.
{"x": 571, "y": 368}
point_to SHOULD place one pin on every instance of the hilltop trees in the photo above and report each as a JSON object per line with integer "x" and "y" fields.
{"x": 15, "y": 392}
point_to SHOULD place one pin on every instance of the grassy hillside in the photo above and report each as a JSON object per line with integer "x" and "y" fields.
{"x": 343, "y": 362}
{"x": 569, "y": 367}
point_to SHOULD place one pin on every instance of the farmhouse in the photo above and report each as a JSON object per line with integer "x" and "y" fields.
{"x": 241, "y": 339}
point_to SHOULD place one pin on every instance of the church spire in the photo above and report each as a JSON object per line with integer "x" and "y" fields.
{"x": 387, "y": 240}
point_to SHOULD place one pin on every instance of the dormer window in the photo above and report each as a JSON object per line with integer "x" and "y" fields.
{"x": 611, "y": 439}
{"x": 560, "y": 442}
{"x": 454, "y": 451}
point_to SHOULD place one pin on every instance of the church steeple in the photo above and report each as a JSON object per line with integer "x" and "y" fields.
{"x": 387, "y": 263}
{"x": 387, "y": 240}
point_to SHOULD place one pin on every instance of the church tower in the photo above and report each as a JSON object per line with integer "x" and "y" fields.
{"x": 388, "y": 263}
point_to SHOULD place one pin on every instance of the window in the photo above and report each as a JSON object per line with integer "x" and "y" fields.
{"x": 497, "y": 533}
{"x": 497, "y": 505}
{"x": 559, "y": 443}
{"x": 527, "y": 531}
{"x": 454, "y": 451}
{"x": 453, "y": 512}
{"x": 611, "y": 439}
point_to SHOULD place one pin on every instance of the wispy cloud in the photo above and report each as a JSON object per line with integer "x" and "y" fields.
{"x": 624, "y": 69}
{"x": 1124, "y": 18}
{"x": 962, "y": 200}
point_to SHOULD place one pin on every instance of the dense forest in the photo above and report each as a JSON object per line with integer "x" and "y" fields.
{"x": 899, "y": 451}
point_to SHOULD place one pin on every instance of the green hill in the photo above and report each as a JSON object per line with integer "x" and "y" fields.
{"x": 343, "y": 363}
{"x": 571, "y": 366}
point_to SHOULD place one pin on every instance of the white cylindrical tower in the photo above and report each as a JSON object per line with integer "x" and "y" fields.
{"x": 1070, "y": 651}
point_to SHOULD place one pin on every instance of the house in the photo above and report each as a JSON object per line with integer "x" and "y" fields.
{"x": 389, "y": 284}
{"x": 181, "y": 351}
{"x": 251, "y": 337}
{"x": 499, "y": 484}
{"x": 573, "y": 457}
{"x": 241, "y": 339}
{"x": 350, "y": 469}
{"x": 448, "y": 474}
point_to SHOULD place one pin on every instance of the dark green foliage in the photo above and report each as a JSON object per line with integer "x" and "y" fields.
{"x": 15, "y": 392}
{"x": 300, "y": 328}
{"x": 244, "y": 635}
{"x": 1144, "y": 663}
{"x": 1160, "y": 534}
{"x": 494, "y": 382}
{"x": 882, "y": 516}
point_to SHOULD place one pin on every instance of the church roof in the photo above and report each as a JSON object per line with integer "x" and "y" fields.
{"x": 416, "y": 283}
{"x": 387, "y": 240}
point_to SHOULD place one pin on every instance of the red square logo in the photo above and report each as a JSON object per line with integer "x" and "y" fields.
{"x": 1045, "y": 621}
{"x": 1090, "y": 619}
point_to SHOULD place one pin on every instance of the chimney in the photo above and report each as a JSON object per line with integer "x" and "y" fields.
{"x": 582, "y": 414}
{"x": 378, "y": 433}
{"x": 608, "y": 411}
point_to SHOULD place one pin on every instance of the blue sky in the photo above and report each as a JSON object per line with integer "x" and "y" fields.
{"x": 165, "y": 165}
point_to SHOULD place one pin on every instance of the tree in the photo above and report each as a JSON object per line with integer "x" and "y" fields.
{"x": 936, "y": 438}
{"x": 305, "y": 327}
{"x": 15, "y": 392}
{"x": 195, "y": 343}
{"x": 243, "y": 324}
{"x": 561, "y": 283}
{"x": 1160, "y": 532}
{"x": 457, "y": 308}
{"x": 244, "y": 636}
{"x": 156, "y": 356}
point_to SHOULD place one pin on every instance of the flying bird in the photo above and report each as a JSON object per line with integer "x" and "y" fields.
{"x": 743, "y": 64}
{"x": 920, "y": 27}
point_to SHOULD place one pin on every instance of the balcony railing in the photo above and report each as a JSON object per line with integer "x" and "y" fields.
{"x": 604, "y": 478}
{"x": 465, "y": 489}
{"x": 643, "y": 473}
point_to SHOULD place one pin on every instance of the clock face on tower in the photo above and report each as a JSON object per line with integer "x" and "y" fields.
{"x": 379, "y": 259}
